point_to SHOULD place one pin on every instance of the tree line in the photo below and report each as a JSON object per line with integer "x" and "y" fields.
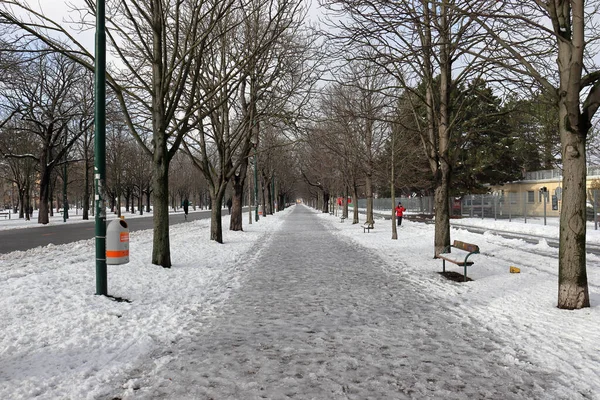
{"x": 198, "y": 86}
{"x": 425, "y": 74}
{"x": 421, "y": 96}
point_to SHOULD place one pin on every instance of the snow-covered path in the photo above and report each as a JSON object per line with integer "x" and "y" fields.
{"x": 319, "y": 318}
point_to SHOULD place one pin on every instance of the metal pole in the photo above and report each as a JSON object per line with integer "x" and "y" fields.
{"x": 510, "y": 194}
{"x": 472, "y": 196}
{"x": 595, "y": 210}
{"x": 65, "y": 201}
{"x": 544, "y": 195}
{"x": 482, "y": 211}
{"x": 525, "y": 206}
{"x": 255, "y": 185}
{"x": 495, "y": 207}
{"x": 100, "y": 148}
{"x": 249, "y": 203}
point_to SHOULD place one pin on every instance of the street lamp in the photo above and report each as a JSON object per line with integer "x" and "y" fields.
{"x": 65, "y": 201}
{"x": 255, "y": 183}
{"x": 100, "y": 148}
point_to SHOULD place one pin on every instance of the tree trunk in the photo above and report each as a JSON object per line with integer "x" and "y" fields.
{"x": 118, "y": 204}
{"x": 249, "y": 202}
{"x": 442, "y": 215}
{"x": 216, "y": 223}
{"x": 270, "y": 197}
{"x": 345, "y": 203}
{"x": 50, "y": 197}
{"x": 161, "y": 250}
{"x": 141, "y": 201}
{"x": 572, "y": 278}
{"x": 574, "y": 126}
{"x": 86, "y": 189}
{"x": 22, "y": 203}
{"x": 325, "y": 200}
{"x": 128, "y": 198}
{"x": 264, "y": 200}
{"x": 369, "y": 190}
{"x": 393, "y": 194}
{"x": 28, "y": 209}
{"x": 442, "y": 169}
{"x": 43, "y": 214}
{"x": 355, "y": 200}
{"x": 148, "y": 192}
{"x": 235, "y": 223}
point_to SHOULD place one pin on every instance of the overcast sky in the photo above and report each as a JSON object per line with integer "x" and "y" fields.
{"x": 59, "y": 11}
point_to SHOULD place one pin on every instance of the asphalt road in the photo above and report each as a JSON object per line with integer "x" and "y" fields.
{"x": 61, "y": 233}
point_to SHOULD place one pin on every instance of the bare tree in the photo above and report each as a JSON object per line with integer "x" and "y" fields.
{"x": 44, "y": 97}
{"x": 161, "y": 46}
{"x": 182, "y": 178}
{"x": 565, "y": 31}
{"x": 225, "y": 140}
{"x": 317, "y": 163}
{"x": 363, "y": 103}
{"x": 139, "y": 176}
{"x": 418, "y": 42}
{"x": 84, "y": 147}
{"x": 273, "y": 93}
{"x": 20, "y": 171}
{"x": 119, "y": 146}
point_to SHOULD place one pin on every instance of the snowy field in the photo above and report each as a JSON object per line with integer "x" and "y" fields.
{"x": 61, "y": 341}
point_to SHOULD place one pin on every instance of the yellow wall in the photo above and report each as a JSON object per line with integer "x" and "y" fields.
{"x": 536, "y": 208}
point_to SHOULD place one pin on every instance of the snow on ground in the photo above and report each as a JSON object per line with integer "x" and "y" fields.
{"x": 60, "y": 341}
{"x": 521, "y": 308}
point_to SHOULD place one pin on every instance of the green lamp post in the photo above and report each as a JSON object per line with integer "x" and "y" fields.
{"x": 255, "y": 184}
{"x": 100, "y": 148}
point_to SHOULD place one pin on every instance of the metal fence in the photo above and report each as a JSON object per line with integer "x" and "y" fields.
{"x": 415, "y": 205}
{"x": 510, "y": 206}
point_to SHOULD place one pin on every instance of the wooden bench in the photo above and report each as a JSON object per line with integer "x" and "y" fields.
{"x": 342, "y": 218}
{"x": 467, "y": 248}
{"x": 367, "y": 227}
{"x": 5, "y": 214}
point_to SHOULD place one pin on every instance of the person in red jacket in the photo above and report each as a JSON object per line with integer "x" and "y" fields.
{"x": 399, "y": 213}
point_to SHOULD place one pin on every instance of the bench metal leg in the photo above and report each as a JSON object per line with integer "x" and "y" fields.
{"x": 443, "y": 265}
{"x": 465, "y": 272}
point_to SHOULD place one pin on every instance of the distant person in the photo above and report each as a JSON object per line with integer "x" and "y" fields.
{"x": 229, "y": 204}
{"x": 186, "y": 207}
{"x": 399, "y": 213}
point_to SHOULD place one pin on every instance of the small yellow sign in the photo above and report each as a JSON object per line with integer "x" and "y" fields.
{"x": 514, "y": 270}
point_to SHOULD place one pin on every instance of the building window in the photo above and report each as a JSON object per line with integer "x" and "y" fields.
{"x": 530, "y": 196}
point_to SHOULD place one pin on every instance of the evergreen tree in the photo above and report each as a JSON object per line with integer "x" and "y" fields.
{"x": 535, "y": 123}
{"x": 483, "y": 152}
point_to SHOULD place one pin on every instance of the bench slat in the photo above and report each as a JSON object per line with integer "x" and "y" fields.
{"x": 471, "y": 248}
{"x": 455, "y": 261}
